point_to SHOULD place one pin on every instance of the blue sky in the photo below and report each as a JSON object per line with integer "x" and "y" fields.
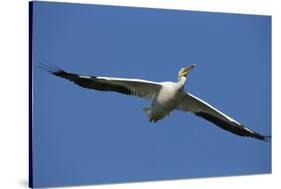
{"x": 83, "y": 136}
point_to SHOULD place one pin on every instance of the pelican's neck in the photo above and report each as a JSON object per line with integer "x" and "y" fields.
{"x": 181, "y": 81}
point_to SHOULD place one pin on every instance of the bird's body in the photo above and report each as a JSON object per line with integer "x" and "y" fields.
{"x": 165, "y": 97}
{"x": 166, "y": 101}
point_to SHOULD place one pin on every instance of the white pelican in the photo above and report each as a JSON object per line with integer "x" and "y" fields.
{"x": 165, "y": 96}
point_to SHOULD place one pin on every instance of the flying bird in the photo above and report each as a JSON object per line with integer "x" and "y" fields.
{"x": 165, "y": 97}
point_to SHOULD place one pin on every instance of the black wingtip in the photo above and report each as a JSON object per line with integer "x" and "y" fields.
{"x": 267, "y": 138}
{"x": 261, "y": 137}
{"x": 46, "y": 66}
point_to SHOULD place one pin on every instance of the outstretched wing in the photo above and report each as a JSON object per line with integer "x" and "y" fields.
{"x": 202, "y": 109}
{"x": 133, "y": 87}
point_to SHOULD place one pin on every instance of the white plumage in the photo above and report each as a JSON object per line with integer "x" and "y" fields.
{"x": 165, "y": 96}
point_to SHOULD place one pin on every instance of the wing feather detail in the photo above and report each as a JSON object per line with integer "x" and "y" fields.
{"x": 132, "y": 87}
{"x": 204, "y": 110}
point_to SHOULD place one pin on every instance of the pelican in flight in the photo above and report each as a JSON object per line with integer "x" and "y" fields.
{"x": 165, "y": 97}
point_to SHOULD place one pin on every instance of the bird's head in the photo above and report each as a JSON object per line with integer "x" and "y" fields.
{"x": 184, "y": 71}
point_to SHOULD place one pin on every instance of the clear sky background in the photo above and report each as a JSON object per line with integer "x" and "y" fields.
{"x": 83, "y": 136}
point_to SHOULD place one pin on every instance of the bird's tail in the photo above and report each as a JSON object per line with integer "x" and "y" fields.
{"x": 147, "y": 111}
